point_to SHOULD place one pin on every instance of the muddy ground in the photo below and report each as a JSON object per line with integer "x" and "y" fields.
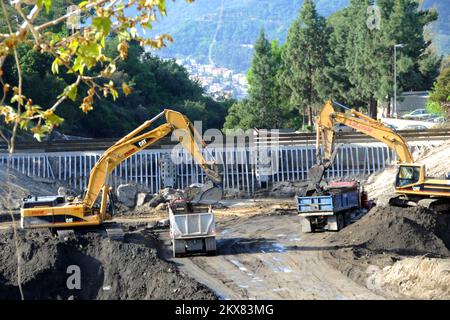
{"x": 262, "y": 254}
{"x": 109, "y": 269}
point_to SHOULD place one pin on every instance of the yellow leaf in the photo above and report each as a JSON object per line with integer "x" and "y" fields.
{"x": 126, "y": 89}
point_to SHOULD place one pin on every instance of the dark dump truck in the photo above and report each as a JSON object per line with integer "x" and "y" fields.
{"x": 338, "y": 205}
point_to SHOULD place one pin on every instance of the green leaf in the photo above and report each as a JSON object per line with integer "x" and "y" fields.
{"x": 102, "y": 24}
{"x": 46, "y": 3}
{"x": 83, "y": 4}
{"x": 133, "y": 32}
{"x": 55, "y": 66}
{"x": 38, "y": 136}
{"x": 55, "y": 120}
{"x": 24, "y": 124}
{"x": 72, "y": 92}
{"x": 162, "y": 7}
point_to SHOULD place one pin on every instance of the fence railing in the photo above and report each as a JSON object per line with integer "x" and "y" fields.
{"x": 239, "y": 166}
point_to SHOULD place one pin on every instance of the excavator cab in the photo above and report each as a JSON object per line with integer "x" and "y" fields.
{"x": 409, "y": 174}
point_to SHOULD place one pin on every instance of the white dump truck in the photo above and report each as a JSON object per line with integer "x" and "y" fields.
{"x": 192, "y": 229}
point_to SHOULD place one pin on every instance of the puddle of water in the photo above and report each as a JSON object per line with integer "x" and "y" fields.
{"x": 286, "y": 270}
{"x": 279, "y": 247}
{"x": 239, "y": 265}
{"x": 277, "y": 259}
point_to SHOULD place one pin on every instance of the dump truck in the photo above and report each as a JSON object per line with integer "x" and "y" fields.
{"x": 192, "y": 228}
{"x": 336, "y": 206}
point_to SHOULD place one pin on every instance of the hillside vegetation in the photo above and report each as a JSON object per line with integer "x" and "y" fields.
{"x": 224, "y": 31}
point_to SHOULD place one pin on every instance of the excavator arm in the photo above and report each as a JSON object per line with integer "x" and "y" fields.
{"x": 139, "y": 139}
{"x": 325, "y": 139}
{"x": 362, "y": 123}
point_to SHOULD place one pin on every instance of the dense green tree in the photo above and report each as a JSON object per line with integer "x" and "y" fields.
{"x": 262, "y": 108}
{"x": 417, "y": 64}
{"x": 439, "y": 100}
{"x": 157, "y": 84}
{"x": 336, "y": 75}
{"x": 361, "y": 56}
{"x": 304, "y": 59}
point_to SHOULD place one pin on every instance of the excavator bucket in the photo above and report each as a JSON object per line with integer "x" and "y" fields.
{"x": 208, "y": 193}
{"x": 316, "y": 173}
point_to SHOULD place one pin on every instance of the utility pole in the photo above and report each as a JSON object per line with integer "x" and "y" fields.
{"x": 395, "y": 77}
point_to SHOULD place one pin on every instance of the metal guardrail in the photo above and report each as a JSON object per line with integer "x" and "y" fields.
{"x": 293, "y": 138}
{"x": 273, "y": 138}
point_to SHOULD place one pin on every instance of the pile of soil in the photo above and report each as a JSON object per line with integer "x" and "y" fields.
{"x": 109, "y": 269}
{"x": 405, "y": 231}
{"x": 418, "y": 278}
{"x": 383, "y": 238}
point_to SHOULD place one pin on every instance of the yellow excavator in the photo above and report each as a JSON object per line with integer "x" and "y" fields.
{"x": 411, "y": 184}
{"x": 64, "y": 212}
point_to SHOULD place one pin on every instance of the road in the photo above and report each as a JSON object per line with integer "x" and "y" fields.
{"x": 267, "y": 257}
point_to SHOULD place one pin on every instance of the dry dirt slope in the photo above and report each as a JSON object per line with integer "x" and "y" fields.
{"x": 14, "y": 186}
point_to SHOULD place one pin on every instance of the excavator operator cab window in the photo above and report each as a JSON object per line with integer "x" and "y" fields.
{"x": 407, "y": 175}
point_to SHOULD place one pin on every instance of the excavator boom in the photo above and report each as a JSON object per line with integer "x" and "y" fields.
{"x": 57, "y": 212}
{"x": 140, "y": 139}
{"x": 362, "y": 123}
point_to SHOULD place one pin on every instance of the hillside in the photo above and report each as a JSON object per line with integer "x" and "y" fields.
{"x": 223, "y": 31}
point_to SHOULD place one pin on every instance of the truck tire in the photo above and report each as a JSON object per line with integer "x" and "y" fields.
{"x": 340, "y": 221}
{"x": 210, "y": 246}
{"x": 178, "y": 248}
{"x": 348, "y": 218}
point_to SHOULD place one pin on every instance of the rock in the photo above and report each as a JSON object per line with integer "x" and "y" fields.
{"x": 164, "y": 223}
{"x": 155, "y": 201}
{"x": 63, "y": 191}
{"x": 143, "y": 198}
{"x": 171, "y": 194}
{"x": 151, "y": 225}
{"x": 126, "y": 194}
{"x": 161, "y": 207}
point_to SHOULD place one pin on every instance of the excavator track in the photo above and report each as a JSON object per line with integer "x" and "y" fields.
{"x": 435, "y": 204}
{"x": 114, "y": 231}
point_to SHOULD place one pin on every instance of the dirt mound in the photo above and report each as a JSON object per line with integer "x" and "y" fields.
{"x": 15, "y": 186}
{"x": 405, "y": 231}
{"x": 109, "y": 269}
{"x": 419, "y": 278}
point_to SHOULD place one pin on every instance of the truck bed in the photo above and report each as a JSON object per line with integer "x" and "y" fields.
{"x": 333, "y": 202}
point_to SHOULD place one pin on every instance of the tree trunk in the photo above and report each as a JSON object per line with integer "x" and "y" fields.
{"x": 373, "y": 108}
{"x": 302, "y": 115}
{"x": 310, "y": 115}
{"x": 388, "y": 108}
